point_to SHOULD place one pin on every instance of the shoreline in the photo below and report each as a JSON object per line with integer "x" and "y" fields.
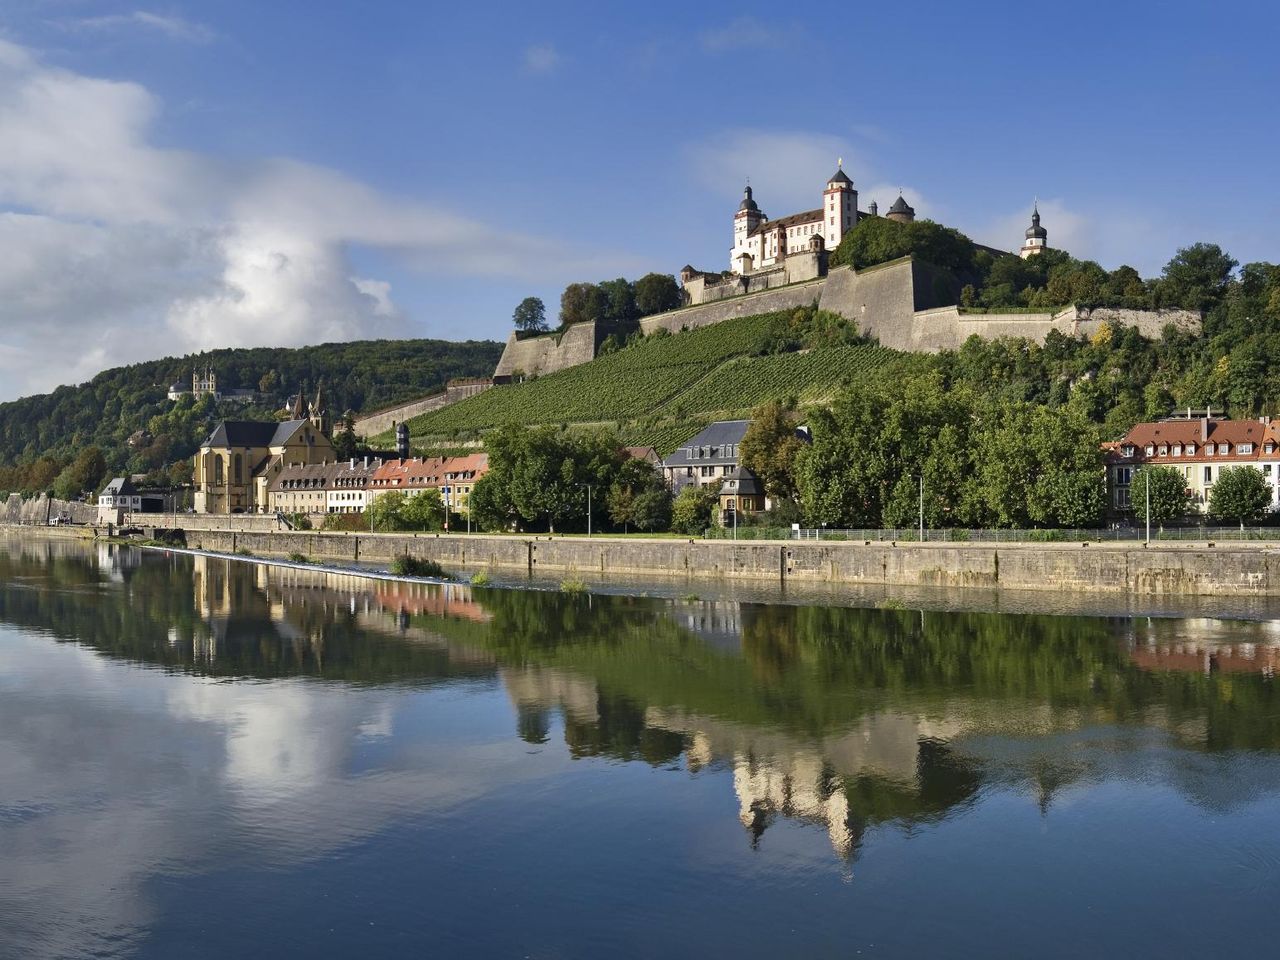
{"x": 1052, "y": 599}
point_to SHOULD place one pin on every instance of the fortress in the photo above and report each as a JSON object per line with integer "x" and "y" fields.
{"x": 782, "y": 264}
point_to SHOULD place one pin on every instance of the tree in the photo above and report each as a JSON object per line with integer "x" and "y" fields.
{"x": 581, "y": 302}
{"x": 268, "y": 382}
{"x": 693, "y": 509}
{"x": 84, "y": 473}
{"x": 1241, "y": 493}
{"x": 657, "y": 293}
{"x": 397, "y": 510}
{"x": 639, "y": 498}
{"x": 530, "y": 316}
{"x": 345, "y": 441}
{"x": 1170, "y": 498}
{"x": 769, "y": 449}
{"x": 1196, "y": 277}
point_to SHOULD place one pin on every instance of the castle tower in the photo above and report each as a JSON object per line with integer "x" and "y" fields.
{"x": 901, "y": 211}
{"x": 839, "y": 207}
{"x": 873, "y": 209}
{"x": 1036, "y": 236}
{"x": 748, "y": 217}
{"x": 402, "y": 440}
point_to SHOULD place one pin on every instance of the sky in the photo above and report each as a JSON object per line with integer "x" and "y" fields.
{"x": 189, "y": 175}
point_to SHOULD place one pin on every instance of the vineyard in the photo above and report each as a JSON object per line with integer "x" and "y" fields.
{"x": 747, "y": 382}
{"x": 663, "y": 389}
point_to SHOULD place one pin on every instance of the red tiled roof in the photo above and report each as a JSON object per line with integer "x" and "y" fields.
{"x": 1197, "y": 439}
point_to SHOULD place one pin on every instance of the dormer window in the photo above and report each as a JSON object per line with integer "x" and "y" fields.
{"x": 1127, "y": 450}
{"x": 1224, "y": 448}
{"x": 1150, "y": 450}
{"x": 1164, "y": 449}
{"x": 1177, "y": 449}
{"x": 1268, "y": 448}
{"x": 1243, "y": 448}
{"x": 1191, "y": 449}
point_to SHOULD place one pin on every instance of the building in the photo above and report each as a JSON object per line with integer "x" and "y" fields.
{"x": 1037, "y": 236}
{"x": 1200, "y": 446}
{"x": 204, "y": 383}
{"x": 454, "y": 477}
{"x": 759, "y": 242}
{"x": 741, "y": 494}
{"x": 707, "y": 458}
{"x": 122, "y": 496}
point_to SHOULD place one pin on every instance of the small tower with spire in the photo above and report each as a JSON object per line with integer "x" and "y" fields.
{"x": 317, "y": 413}
{"x": 747, "y": 218}
{"x": 839, "y": 206}
{"x": 1036, "y": 236}
{"x": 901, "y": 211}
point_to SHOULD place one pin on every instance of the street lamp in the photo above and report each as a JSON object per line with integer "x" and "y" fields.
{"x": 588, "y": 486}
{"x": 1146, "y": 475}
{"x": 922, "y": 507}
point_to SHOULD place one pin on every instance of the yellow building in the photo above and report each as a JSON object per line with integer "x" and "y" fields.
{"x": 240, "y": 458}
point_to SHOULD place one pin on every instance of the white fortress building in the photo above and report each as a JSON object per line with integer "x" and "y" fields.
{"x": 759, "y": 242}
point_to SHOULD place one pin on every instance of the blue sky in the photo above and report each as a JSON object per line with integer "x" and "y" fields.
{"x": 190, "y": 175}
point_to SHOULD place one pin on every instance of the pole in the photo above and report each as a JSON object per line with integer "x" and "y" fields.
{"x": 588, "y": 509}
{"x": 922, "y": 508}
{"x": 1147, "y": 477}
{"x": 735, "y": 519}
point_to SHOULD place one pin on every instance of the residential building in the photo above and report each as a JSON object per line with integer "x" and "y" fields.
{"x": 454, "y": 477}
{"x": 741, "y": 494}
{"x": 707, "y": 458}
{"x": 1198, "y": 445}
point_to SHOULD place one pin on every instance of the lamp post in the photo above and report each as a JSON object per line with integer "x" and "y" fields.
{"x": 922, "y": 507}
{"x": 588, "y": 486}
{"x": 1146, "y": 475}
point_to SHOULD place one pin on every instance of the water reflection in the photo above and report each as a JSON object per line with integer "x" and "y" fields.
{"x": 200, "y": 714}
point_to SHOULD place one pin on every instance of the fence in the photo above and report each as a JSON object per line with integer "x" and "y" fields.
{"x": 960, "y": 535}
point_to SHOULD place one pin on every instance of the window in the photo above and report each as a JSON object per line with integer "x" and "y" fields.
{"x": 1177, "y": 449}
{"x": 1164, "y": 450}
{"x": 1191, "y": 449}
{"x": 1124, "y": 474}
{"x": 1224, "y": 448}
{"x": 1269, "y": 448}
{"x": 833, "y": 221}
{"x": 1208, "y": 474}
{"x": 1150, "y": 450}
{"x": 1243, "y": 448}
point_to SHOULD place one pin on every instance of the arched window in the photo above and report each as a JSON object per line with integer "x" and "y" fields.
{"x": 239, "y": 467}
{"x": 217, "y": 470}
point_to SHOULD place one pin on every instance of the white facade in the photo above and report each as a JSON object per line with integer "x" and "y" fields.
{"x": 759, "y": 242}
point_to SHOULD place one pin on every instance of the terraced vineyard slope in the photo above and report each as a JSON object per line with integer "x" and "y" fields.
{"x": 665, "y": 388}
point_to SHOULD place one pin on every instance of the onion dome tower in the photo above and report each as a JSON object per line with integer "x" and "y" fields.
{"x": 1036, "y": 236}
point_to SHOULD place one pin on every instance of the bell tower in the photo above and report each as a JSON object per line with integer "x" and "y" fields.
{"x": 839, "y": 207}
{"x": 745, "y": 221}
{"x": 1037, "y": 237}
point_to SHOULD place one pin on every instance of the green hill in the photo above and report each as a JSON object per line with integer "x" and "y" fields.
{"x": 664, "y": 388}
{"x": 115, "y": 405}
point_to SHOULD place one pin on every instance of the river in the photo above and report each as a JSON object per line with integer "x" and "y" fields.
{"x": 202, "y": 757}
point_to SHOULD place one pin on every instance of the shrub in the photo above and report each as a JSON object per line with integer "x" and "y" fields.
{"x": 480, "y": 579}
{"x": 572, "y": 585}
{"x": 407, "y": 566}
{"x": 299, "y": 557}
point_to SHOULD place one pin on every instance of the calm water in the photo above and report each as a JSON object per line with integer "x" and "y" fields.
{"x": 210, "y": 759}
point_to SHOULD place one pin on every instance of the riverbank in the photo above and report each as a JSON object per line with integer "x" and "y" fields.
{"x": 1234, "y": 570}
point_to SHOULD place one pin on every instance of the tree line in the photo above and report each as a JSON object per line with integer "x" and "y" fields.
{"x": 619, "y": 304}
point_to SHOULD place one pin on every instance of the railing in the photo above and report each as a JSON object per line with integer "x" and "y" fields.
{"x": 962, "y": 535}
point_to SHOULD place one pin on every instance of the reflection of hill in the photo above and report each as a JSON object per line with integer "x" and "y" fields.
{"x": 843, "y": 718}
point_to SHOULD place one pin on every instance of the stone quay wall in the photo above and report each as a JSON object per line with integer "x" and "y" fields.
{"x": 1173, "y": 570}
{"x": 38, "y": 511}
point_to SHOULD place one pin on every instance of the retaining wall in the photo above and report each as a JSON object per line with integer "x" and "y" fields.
{"x": 39, "y": 510}
{"x": 782, "y": 298}
{"x": 548, "y": 353}
{"x": 1187, "y": 570}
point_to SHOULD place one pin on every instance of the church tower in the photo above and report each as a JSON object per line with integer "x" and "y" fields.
{"x": 748, "y": 217}
{"x": 1036, "y": 236}
{"x": 318, "y": 415}
{"x": 839, "y": 207}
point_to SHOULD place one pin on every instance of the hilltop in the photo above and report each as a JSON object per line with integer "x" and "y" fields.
{"x": 131, "y": 402}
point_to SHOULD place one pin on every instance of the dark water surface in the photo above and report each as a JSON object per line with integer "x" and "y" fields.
{"x": 204, "y": 758}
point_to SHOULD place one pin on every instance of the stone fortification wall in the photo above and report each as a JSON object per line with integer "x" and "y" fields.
{"x": 784, "y": 298}
{"x": 1174, "y": 570}
{"x": 548, "y": 353}
{"x": 40, "y": 510}
{"x": 1150, "y": 323}
{"x": 383, "y": 420}
{"x": 795, "y": 268}
{"x": 880, "y": 299}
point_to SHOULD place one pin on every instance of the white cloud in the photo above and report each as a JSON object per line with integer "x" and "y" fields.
{"x": 175, "y": 28}
{"x": 787, "y": 169}
{"x": 747, "y": 32}
{"x": 541, "y": 58}
{"x": 114, "y": 250}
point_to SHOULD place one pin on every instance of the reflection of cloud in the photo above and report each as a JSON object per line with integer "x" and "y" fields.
{"x": 114, "y": 774}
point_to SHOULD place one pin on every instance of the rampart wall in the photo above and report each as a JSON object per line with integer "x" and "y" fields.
{"x": 1173, "y": 570}
{"x": 548, "y": 353}
{"x": 783, "y": 298}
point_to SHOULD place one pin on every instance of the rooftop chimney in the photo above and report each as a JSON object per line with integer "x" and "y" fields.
{"x": 353, "y": 463}
{"x": 1204, "y": 424}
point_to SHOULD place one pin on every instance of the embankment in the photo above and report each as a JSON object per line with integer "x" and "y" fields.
{"x": 1170, "y": 570}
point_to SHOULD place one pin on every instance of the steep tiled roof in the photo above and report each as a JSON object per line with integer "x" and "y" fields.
{"x": 795, "y": 219}
{"x": 1195, "y": 438}
{"x": 252, "y": 433}
{"x": 715, "y": 438}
